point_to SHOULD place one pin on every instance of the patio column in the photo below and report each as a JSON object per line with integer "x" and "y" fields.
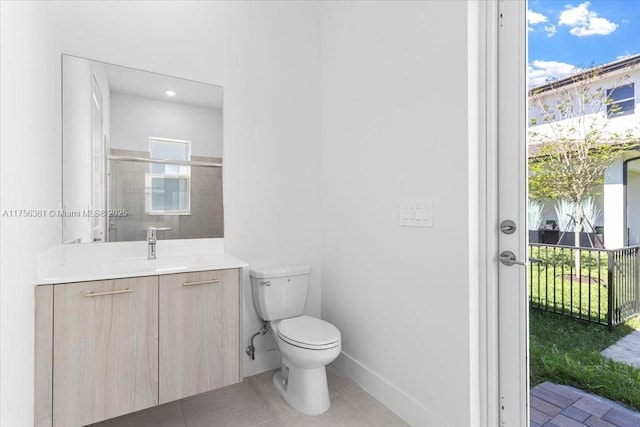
{"x": 614, "y": 232}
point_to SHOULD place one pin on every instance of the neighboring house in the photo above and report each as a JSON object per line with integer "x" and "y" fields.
{"x": 619, "y": 199}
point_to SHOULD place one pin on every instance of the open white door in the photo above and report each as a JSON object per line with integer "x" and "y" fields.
{"x": 513, "y": 329}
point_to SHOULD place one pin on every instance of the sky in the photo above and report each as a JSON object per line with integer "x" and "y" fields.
{"x": 565, "y": 35}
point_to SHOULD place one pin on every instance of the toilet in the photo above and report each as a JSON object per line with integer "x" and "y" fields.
{"x": 307, "y": 344}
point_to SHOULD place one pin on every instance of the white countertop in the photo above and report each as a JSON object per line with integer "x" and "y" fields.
{"x": 88, "y": 262}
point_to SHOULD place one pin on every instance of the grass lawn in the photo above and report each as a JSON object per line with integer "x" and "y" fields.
{"x": 567, "y": 351}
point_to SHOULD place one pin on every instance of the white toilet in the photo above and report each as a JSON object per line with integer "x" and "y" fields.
{"x": 307, "y": 344}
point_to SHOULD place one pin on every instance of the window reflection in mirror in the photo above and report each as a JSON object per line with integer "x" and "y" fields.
{"x": 167, "y": 186}
{"x": 140, "y": 149}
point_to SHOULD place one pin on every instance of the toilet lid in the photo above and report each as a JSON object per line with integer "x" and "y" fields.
{"x": 309, "y": 332}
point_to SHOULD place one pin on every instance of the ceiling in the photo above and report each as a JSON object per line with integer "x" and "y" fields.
{"x": 153, "y": 85}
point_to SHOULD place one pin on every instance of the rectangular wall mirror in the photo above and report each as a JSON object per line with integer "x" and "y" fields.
{"x": 140, "y": 150}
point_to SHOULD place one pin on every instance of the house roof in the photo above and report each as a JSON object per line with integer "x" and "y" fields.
{"x": 610, "y": 67}
{"x": 535, "y": 150}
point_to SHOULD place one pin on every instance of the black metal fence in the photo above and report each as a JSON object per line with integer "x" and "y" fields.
{"x": 596, "y": 285}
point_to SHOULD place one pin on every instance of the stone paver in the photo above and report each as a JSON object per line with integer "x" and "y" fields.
{"x": 592, "y": 406}
{"x": 576, "y": 414}
{"x": 621, "y": 418}
{"x": 554, "y": 405}
{"x": 626, "y": 350}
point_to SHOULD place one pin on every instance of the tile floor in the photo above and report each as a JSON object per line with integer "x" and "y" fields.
{"x": 255, "y": 402}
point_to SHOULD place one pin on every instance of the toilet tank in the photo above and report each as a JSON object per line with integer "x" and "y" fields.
{"x": 280, "y": 292}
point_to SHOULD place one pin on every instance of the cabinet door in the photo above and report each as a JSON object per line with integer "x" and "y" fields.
{"x": 200, "y": 332}
{"x": 105, "y": 350}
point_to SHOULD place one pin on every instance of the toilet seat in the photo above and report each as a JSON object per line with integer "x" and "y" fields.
{"x": 309, "y": 332}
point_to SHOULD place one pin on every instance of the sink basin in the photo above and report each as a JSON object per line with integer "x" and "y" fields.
{"x": 165, "y": 264}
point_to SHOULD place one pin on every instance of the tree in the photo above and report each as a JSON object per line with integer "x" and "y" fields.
{"x": 571, "y": 146}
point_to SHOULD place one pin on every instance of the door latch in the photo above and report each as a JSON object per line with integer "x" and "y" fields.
{"x": 508, "y": 226}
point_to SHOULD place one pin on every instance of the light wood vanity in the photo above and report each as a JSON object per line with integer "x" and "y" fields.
{"x": 106, "y": 348}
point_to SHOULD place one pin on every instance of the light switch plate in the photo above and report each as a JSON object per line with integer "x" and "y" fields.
{"x": 416, "y": 213}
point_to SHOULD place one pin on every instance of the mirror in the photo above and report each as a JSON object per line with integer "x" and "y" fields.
{"x": 140, "y": 150}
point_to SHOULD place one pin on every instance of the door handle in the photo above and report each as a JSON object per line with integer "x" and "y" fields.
{"x": 116, "y": 292}
{"x": 204, "y": 282}
{"x": 508, "y": 258}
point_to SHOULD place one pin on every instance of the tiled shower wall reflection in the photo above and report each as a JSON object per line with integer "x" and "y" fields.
{"x": 127, "y": 191}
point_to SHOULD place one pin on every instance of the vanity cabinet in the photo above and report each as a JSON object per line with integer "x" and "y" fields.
{"x": 110, "y": 347}
{"x": 105, "y": 349}
{"x": 199, "y": 324}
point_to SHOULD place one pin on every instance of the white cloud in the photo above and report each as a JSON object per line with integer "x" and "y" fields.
{"x": 597, "y": 26}
{"x": 550, "y": 30}
{"x": 541, "y": 72}
{"x": 535, "y": 18}
{"x": 573, "y": 16}
{"x": 584, "y": 22}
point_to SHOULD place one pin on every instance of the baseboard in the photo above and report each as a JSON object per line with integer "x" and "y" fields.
{"x": 265, "y": 361}
{"x": 405, "y": 406}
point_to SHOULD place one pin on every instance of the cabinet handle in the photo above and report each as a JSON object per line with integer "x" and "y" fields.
{"x": 99, "y": 294}
{"x": 204, "y": 282}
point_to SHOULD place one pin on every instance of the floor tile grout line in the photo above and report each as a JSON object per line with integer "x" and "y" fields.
{"x": 275, "y": 416}
{"x": 358, "y": 411}
{"x": 184, "y": 418}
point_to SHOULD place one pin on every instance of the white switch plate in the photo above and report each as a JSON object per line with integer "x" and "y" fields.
{"x": 416, "y": 213}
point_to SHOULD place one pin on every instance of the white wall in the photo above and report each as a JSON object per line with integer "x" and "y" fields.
{"x": 134, "y": 119}
{"x": 30, "y": 159}
{"x": 614, "y": 206}
{"x": 265, "y": 55}
{"x": 395, "y": 127}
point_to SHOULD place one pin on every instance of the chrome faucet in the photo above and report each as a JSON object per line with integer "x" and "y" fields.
{"x": 152, "y": 239}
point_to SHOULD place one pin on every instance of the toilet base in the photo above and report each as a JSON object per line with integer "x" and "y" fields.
{"x": 306, "y": 390}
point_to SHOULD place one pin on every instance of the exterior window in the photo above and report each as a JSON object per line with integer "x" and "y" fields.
{"x": 620, "y": 101}
{"x": 168, "y": 186}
